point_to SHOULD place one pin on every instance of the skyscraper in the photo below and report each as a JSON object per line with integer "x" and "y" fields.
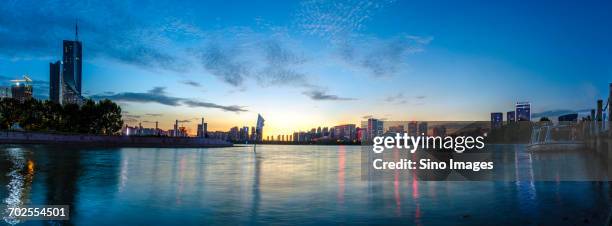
{"x": 523, "y": 111}
{"x": 65, "y": 76}
{"x": 423, "y": 128}
{"x": 413, "y": 128}
{"x": 202, "y": 129}
{"x": 55, "y": 79}
{"x": 375, "y": 128}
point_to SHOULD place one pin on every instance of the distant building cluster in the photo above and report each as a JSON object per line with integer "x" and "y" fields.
{"x": 342, "y": 133}
{"x": 177, "y": 131}
{"x": 350, "y": 133}
{"x": 20, "y": 89}
{"x": 522, "y": 112}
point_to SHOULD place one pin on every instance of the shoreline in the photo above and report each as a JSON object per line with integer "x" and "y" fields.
{"x": 17, "y": 137}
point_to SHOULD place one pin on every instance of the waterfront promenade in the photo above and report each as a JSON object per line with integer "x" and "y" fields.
{"x": 16, "y": 137}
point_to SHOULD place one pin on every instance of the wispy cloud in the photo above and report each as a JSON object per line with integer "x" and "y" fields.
{"x": 195, "y": 103}
{"x": 191, "y": 83}
{"x": 322, "y": 95}
{"x": 221, "y": 61}
{"x": 380, "y": 57}
{"x": 400, "y": 98}
{"x": 331, "y": 19}
{"x": 158, "y": 95}
{"x": 120, "y": 35}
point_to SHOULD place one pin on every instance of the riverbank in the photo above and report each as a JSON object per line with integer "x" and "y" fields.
{"x": 16, "y": 137}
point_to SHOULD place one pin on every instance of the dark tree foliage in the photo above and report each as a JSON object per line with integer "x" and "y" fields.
{"x": 102, "y": 117}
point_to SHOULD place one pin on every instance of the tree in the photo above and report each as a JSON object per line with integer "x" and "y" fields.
{"x": 103, "y": 117}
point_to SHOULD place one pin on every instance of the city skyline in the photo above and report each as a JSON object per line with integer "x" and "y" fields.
{"x": 306, "y": 64}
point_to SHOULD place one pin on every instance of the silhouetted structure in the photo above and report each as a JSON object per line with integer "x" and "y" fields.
{"x": 65, "y": 76}
{"x": 55, "y": 79}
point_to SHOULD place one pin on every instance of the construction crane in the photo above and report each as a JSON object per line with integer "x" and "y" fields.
{"x": 26, "y": 80}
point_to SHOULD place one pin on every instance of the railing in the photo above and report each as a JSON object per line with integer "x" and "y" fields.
{"x": 564, "y": 133}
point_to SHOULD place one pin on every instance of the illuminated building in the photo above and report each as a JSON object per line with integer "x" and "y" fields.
{"x": 22, "y": 89}
{"x": 375, "y": 128}
{"x": 523, "y": 111}
{"x": 510, "y": 117}
{"x": 497, "y": 119}
{"x": 345, "y": 132}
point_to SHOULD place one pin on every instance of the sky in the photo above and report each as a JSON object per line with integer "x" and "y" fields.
{"x": 304, "y": 64}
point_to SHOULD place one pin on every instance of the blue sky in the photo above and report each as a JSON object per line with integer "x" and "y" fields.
{"x": 308, "y": 63}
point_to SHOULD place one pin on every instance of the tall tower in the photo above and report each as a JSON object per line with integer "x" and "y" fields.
{"x": 72, "y": 59}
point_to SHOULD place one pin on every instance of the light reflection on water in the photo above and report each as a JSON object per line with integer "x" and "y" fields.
{"x": 277, "y": 185}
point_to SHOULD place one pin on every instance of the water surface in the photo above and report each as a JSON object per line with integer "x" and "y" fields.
{"x": 288, "y": 185}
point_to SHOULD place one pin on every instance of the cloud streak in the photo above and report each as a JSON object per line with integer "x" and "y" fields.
{"x": 322, "y": 95}
{"x": 158, "y": 95}
{"x": 191, "y": 83}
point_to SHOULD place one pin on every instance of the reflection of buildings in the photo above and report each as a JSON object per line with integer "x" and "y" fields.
{"x": 497, "y": 119}
{"x": 523, "y": 111}
{"x": 65, "y": 76}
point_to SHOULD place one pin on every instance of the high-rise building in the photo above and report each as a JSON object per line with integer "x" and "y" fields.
{"x": 175, "y": 132}
{"x": 69, "y": 82}
{"x": 413, "y": 128}
{"x": 55, "y": 81}
{"x": 396, "y": 129}
{"x": 5, "y": 92}
{"x": 345, "y": 132}
{"x": 202, "y": 129}
{"x": 423, "y": 128}
{"x": 375, "y": 128}
{"x": 510, "y": 117}
{"x": 439, "y": 131}
{"x": 523, "y": 111}
{"x": 497, "y": 118}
